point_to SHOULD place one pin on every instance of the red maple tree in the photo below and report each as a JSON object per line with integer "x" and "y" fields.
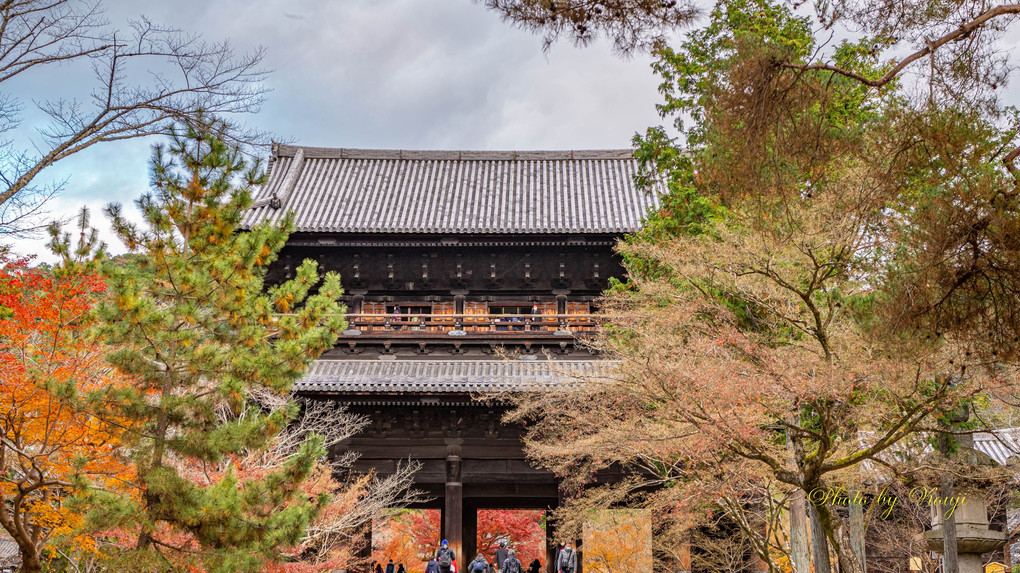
{"x": 407, "y": 536}
{"x": 411, "y": 536}
{"x": 524, "y": 529}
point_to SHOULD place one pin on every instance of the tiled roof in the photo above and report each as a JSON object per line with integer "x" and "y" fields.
{"x": 392, "y": 191}
{"x": 10, "y": 554}
{"x": 1000, "y": 445}
{"x": 444, "y": 376}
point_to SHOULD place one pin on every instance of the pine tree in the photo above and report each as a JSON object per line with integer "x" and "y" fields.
{"x": 195, "y": 328}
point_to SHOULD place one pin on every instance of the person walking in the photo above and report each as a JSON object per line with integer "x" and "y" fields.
{"x": 432, "y": 567}
{"x": 567, "y": 561}
{"x": 535, "y": 567}
{"x": 501, "y": 555}
{"x": 400, "y": 568}
{"x": 446, "y": 557}
{"x": 512, "y": 564}
{"x": 390, "y": 567}
{"x": 479, "y": 565}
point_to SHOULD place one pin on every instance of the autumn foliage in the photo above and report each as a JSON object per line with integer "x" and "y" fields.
{"x": 618, "y": 541}
{"x": 523, "y": 528}
{"x": 406, "y": 536}
{"x": 411, "y": 537}
{"x": 53, "y": 445}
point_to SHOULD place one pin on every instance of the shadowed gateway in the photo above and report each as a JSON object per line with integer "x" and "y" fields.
{"x": 449, "y": 259}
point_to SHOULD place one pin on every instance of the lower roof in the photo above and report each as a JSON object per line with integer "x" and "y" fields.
{"x": 446, "y": 376}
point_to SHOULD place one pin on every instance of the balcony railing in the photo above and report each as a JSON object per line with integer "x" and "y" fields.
{"x": 510, "y": 325}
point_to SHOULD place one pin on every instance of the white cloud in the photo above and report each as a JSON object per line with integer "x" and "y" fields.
{"x": 407, "y": 74}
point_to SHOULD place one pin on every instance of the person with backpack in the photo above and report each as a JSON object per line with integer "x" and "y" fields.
{"x": 479, "y": 565}
{"x": 567, "y": 561}
{"x": 501, "y": 555}
{"x": 512, "y": 564}
{"x": 446, "y": 557}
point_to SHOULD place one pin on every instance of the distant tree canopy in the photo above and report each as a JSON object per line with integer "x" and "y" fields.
{"x": 629, "y": 24}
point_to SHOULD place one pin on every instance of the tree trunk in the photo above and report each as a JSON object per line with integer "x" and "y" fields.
{"x": 799, "y": 553}
{"x": 819, "y": 543}
{"x": 30, "y": 562}
{"x": 849, "y": 560}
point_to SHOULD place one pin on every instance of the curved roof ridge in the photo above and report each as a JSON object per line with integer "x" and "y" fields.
{"x": 282, "y": 150}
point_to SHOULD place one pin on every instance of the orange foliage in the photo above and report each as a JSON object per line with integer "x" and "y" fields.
{"x": 51, "y": 438}
{"x": 618, "y": 541}
{"x": 407, "y": 536}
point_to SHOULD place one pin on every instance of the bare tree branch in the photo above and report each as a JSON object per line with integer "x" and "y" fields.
{"x": 146, "y": 79}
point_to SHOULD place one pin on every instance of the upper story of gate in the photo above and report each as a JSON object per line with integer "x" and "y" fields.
{"x": 457, "y": 252}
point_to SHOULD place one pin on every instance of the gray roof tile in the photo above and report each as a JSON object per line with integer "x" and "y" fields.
{"x": 444, "y": 376}
{"x": 394, "y": 191}
{"x": 10, "y": 553}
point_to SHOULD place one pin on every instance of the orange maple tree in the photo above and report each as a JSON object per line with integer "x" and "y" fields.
{"x": 617, "y": 541}
{"x": 51, "y": 443}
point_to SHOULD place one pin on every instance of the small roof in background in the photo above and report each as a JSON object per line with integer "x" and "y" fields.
{"x": 999, "y": 445}
{"x": 10, "y": 554}
{"x": 453, "y": 192}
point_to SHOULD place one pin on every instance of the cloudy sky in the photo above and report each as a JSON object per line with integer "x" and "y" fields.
{"x": 404, "y": 74}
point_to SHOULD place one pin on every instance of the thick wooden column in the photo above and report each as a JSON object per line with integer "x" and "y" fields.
{"x": 366, "y": 550}
{"x": 470, "y": 535}
{"x": 858, "y": 532}
{"x": 453, "y": 526}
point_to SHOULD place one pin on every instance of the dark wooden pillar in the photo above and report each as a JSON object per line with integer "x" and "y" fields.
{"x": 366, "y": 550}
{"x": 453, "y": 526}
{"x": 580, "y": 556}
{"x": 470, "y": 535}
{"x": 357, "y": 303}
{"x": 550, "y": 545}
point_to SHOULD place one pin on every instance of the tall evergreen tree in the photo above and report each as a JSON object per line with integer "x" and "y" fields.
{"x": 195, "y": 328}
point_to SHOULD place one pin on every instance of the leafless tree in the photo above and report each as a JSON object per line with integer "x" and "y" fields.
{"x": 145, "y": 78}
{"x": 360, "y": 497}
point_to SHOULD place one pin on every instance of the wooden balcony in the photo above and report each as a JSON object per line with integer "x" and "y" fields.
{"x": 472, "y": 326}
